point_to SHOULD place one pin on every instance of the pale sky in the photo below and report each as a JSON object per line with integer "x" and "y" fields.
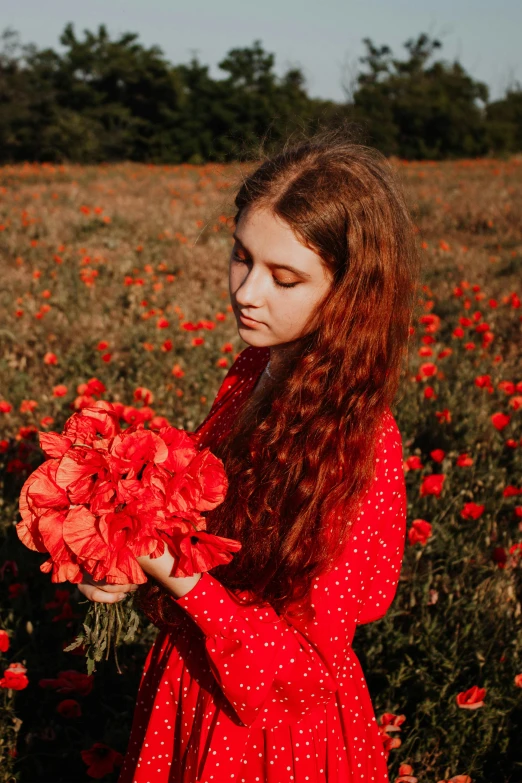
{"x": 324, "y": 37}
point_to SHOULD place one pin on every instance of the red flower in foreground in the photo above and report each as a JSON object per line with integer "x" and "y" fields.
{"x": 472, "y": 698}
{"x": 14, "y": 677}
{"x": 197, "y": 549}
{"x": 101, "y": 760}
{"x": 104, "y": 497}
{"x": 432, "y": 485}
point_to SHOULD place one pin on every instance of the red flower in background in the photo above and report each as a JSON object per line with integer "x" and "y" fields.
{"x": 472, "y": 511}
{"x": 69, "y": 708}
{"x": 500, "y": 420}
{"x": 499, "y": 556}
{"x": 390, "y": 724}
{"x": 432, "y": 484}
{"x": 14, "y": 677}
{"x": 414, "y": 463}
{"x": 419, "y": 532}
{"x": 70, "y": 681}
{"x": 457, "y": 779}
{"x": 471, "y": 699}
{"x": 101, "y": 760}
{"x": 428, "y": 369}
{"x": 4, "y": 641}
{"x": 405, "y": 774}
{"x": 510, "y": 491}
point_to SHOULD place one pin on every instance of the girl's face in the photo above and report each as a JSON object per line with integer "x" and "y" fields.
{"x": 273, "y": 279}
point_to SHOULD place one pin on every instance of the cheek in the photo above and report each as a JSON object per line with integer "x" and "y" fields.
{"x": 292, "y": 311}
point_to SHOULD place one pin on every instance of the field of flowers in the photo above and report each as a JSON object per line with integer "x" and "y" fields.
{"x": 114, "y": 286}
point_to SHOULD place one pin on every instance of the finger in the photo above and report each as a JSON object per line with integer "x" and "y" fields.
{"x": 85, "y": 589}
{"x": 110, "y": 588}
{"x": 116, "y": 588}
{"x": 100, "y": 595}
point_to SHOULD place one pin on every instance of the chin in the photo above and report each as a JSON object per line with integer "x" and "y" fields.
{"x": 251, "y": 338}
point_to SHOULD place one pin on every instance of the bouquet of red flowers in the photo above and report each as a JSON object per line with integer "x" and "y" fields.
{"x": 106, "y": 496}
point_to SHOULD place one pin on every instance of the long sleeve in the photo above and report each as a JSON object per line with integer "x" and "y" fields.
{"x": 274, "y": 669}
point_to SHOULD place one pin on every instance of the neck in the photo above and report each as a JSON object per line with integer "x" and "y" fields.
{"x": 281, "y": 354}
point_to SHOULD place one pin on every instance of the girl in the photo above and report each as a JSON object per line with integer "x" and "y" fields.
{"x": 252, "y": 678}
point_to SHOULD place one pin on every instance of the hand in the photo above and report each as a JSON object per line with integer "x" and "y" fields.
{"x": 159, "y": 568}
{"x": 101, "y": 592}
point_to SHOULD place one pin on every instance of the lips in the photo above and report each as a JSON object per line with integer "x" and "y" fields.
{"x": 249, "y": 318}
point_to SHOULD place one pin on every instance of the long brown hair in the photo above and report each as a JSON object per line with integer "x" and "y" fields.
{"x": 299, "y": 463}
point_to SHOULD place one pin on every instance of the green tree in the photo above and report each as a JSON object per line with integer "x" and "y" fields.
{"x": 419, "y": 110}
{"x": 504, "y": 118}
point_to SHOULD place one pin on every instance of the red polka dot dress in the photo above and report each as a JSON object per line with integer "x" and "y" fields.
{"x": 243, "y": 695}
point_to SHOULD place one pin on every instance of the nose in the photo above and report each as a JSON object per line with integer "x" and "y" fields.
{"x": 249, "y": 292}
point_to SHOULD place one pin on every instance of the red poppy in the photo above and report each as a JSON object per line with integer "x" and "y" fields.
{"x": 472, "y": 511}
{"x": 69, "y": 708}
{"x": 104, "y": 496}
{"x": 428, "y": 369}
{"x": 471, "y": 699}
{"x": 4, "y": 641}
{"x": 70, "y": 681}
{"x": 510, "y": 491}
{"x": 101, "y": 760}
{"x": 405, "y": 774}
{"x": 419, "y": 532}
{"x": 432, "y": 484}
{"x": 499, "y": 556}
{"x": 14, "y": 677}
{"x": 414, "y": 463}
{"x": 197, "y": 549}
{"x": 500, "y": 420}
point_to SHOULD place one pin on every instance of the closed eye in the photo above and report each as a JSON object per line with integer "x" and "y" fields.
{"x": 277, "y": 282}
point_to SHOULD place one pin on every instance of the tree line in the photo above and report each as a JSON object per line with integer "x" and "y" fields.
{"x": 107, "y": 100}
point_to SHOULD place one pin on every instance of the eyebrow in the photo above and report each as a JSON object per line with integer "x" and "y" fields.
{"x": 272, "y": 263}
